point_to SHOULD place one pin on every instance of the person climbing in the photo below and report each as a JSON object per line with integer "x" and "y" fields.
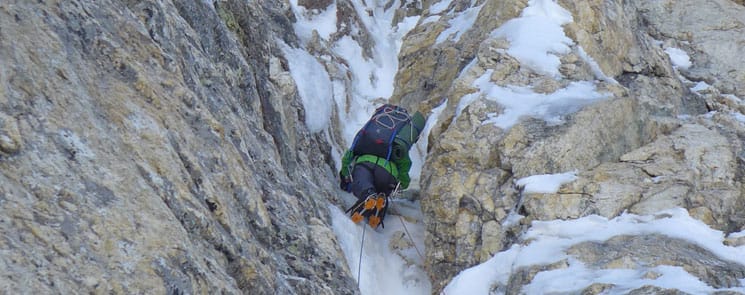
{"x": 377, "y": 163}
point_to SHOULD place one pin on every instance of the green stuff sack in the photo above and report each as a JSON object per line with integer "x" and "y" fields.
{"x": 408, "y": 136}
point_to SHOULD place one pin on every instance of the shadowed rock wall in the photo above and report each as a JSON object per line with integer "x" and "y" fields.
{"x": 145, "y": 147}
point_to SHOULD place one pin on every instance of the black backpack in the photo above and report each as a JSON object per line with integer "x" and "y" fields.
{"x": 380, "y": 134}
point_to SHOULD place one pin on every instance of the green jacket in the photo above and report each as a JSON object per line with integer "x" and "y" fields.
{"x": 399, "y": 168}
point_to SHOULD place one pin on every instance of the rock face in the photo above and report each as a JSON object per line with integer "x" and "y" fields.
{"x": 145, "y": 147}
{"x": 653, "y": 144}
{"x": 160, "y": 146}
{"x": 650, "y": 251}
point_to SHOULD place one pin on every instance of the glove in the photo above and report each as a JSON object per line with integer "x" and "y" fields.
{"x": 344, "y": 182}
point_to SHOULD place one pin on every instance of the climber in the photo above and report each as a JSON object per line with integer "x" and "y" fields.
{"x": 378, "y": 161}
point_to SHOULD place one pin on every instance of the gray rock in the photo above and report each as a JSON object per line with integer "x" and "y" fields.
{"x": 647, "y": 251}
{"x": 653, "y": 290}
{"x": 147, "y": 149}
{"x": 10, "y": 138}
{"x": 647, "y": 147}
{"x": 713, "y": 40}
{"x": 159, "y": 147}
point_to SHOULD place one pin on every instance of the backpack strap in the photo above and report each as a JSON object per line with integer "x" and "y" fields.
{"x": 390, "y": 145}
{"x": 357, "y": 136}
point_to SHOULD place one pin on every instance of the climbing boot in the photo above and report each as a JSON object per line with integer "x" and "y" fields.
{"x": 381, "y": 204}
{"x": 363, "y": 208}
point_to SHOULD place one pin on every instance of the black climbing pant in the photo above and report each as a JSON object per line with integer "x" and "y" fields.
{"x": 370, "y": 178}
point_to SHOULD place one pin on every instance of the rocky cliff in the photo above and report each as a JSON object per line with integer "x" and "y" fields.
{"x": 660, "y": 141}
{"x": 164, "y": 146}
{"x": 150, "y": 147}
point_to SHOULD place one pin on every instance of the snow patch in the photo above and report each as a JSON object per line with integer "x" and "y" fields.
{"x": 381, "y": 271}
{"x": 521, "y": 101}
{"x": 419, "y": 152}
{"x": 536, "y": 37}
{"x": 321, "y": 21}
{"x": 439, "y": 7}
{"x": 545, "y": 183}
{"x": 594, "y": 66}
{"x": 700, "y": 86}
{"x": 459, "y": 25}
{"x": 551, "y": 239}
{"x": 678, "y": 57}
{"x": 317, "y": 93}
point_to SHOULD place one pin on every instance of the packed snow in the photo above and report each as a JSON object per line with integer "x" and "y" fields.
{"x": 439, "y": 7}
{"x": 678, "y": 57}
{"x": 520, "y": 101}
{"x": 537, "y": 40}
{"x": 536, "y": 37}
{"x": 545, "y": 183}
{"x": 700, "y": 86}
{"x": 379, "y": 271}
{"x": 323, "y": 21}
{"x": 372, "y": 75}
{"x": 303, "y": 65}
{"x": 459, "y": 25}
{"x": 551, "y": 239}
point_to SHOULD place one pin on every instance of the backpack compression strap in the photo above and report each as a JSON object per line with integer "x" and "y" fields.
{"x": 392, "y": 116}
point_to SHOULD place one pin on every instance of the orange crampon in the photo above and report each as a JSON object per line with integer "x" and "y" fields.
{"x": 370, "y": 203}
{"x": 373, "y": 207}
{"x": 357, "y": 217}
{"x": 380, "y": 204}
{"x": 374, "y": 221}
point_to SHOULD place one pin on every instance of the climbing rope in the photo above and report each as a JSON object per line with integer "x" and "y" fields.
{"x": 364, "y": 229}
{"x": 395, "y": 194}
{"x": 410, "y": 238}
{"x": 359, "y": 264}
{"x": 390, "y": 117}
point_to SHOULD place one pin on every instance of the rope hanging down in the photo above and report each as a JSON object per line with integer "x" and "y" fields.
{"x": 410, "y": 238}
{"x": 364, "y": 229}
{"x": 359, "y": 264}
{"x": 395, "y": 194}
